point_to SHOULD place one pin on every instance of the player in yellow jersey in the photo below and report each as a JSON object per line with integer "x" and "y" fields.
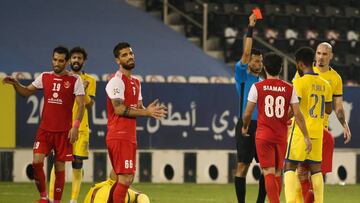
{"x": 323, "y": 57}
{"x": 102, "y": 192}
{"x": 78, "y": 57}
{"x": 315, "y": 100}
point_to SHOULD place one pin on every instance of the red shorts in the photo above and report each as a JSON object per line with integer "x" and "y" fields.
{"x": 270, "y": 154}
{"x": 45, "y": 141}
{"x": 327, "y": 152}
{"x": 122, "y": 155}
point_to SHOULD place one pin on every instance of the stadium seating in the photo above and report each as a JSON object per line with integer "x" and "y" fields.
{"x": 219, "y": 80}
{"x": 154, "y": 78}
{"x": 105, "y": 77}
{"x": 2, "y": 74}
{"x": 198, "y": 79}
{"x": 329, "y": 20}
{"x": 97, "y": 78}
{"x": 139, "y": 77}
{"x": 22, "y": 75}
{"x": 176, "y": 79}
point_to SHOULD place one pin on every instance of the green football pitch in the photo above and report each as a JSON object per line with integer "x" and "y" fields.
{"x": 176, "y": 193}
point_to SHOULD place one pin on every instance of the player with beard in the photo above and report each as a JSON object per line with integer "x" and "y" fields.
{"x": 323, "y": 56}
{"x": 315, "y": 95}
{"x": 57, "y": 130}
{"x": 124, "y": 104}
{"x": 78, "y": 57}
{"x": 247, "y": 72}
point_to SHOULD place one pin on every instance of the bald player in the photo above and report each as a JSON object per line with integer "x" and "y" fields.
{"x": 323, "y": 57}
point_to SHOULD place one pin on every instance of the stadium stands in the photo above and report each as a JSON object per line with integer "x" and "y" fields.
{"x": 198, "y": 79}
{"x": 310, "y": 22}
{"x": 176, "y": 79}
{"x": 219, "y": 80}
{"x": 22, "y": 75}
{"x": 97, "y": 27}
{"x": 154, "y": 78}
{"x": 2, "y": 74}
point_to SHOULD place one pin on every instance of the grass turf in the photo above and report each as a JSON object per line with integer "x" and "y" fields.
{"x": 175, "y": 193}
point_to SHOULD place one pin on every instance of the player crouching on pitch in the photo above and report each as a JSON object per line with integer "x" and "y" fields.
{"x": 102, "y": 192}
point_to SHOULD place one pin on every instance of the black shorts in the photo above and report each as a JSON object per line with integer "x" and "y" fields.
{"x": 245, "y": 146}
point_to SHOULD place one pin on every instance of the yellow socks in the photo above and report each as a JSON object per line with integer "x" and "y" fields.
{"x": 290, "y": 186}
{"x": 76, "y": 183}
{"x": 318, "y": 187}
{"x": 298, "y": 197}
{"x": 52, "y": 184}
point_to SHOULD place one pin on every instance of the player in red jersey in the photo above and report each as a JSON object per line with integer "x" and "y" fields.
{"x": 273, "y": 98}
{"x": 56, "y": 131}
{"x": 124, "y": 104}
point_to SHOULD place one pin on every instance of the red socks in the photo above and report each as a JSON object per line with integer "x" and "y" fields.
{"x": 120, "y": 193}
{"x": 59, "y": 184}
{"x": 272, "y": 188}
{"x": 110, "y": 199}
{"x": 279, "y": 183}
{"x": 305, "y": 187}
{"x": 309, "y": 198}
{"x": 39, "y": 177}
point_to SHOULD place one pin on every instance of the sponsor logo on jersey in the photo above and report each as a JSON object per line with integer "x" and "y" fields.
{"x": 55, "y": 101}
{"x": 67, "y": 84}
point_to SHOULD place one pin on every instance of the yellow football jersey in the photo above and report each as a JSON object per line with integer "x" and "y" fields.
{"x": 335, "y": 82}
{"x": 314, "y": 92}
{"x": 90, "y": 91}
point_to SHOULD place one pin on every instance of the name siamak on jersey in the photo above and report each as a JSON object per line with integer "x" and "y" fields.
{"x": 273, "y": 88}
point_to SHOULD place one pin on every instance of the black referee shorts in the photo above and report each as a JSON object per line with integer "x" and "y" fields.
{"x": 246, "y": 149}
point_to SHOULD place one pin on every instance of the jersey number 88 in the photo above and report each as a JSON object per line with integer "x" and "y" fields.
{"x": 274, "y": 105}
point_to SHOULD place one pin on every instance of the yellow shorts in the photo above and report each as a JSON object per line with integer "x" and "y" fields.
{"x": 296, "y": 150}
{"x": 81, "y": 146}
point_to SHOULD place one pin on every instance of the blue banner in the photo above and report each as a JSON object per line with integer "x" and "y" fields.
{"x": 201, "y": 116}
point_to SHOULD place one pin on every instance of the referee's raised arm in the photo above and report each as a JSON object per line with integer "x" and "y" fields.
{"x": 245, "y": 58}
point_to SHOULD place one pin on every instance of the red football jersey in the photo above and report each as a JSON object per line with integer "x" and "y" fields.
{"x": 59, "y": 95}
{"x": 129, "y": 91}
{"x": 273, "y": 98}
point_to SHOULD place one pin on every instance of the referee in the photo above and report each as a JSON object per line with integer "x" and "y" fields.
{"x": 247, "y": 72}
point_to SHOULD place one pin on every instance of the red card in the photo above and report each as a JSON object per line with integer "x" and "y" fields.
{"x": 257, "y": 13}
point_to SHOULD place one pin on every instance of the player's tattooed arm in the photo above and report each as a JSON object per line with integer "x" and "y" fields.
{"x": 339, "y": 110}
{"x": 117, "y": 102}
{"x": 340, "y": 114}
{"x": 120, "y": 108}
{"x": 341, "y": 117}
{"x": 153, "y": 110}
